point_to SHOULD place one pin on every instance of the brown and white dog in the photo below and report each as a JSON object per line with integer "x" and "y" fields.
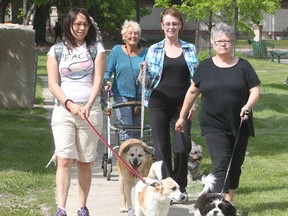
{"x": 153, "y": 197}
{"x": 138, "y": 155}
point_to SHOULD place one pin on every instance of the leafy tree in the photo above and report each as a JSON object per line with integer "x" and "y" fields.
{"x": 109, "y": 14}
{"x": 39, "y": 24}
{"x": 22, "y": 11}
{"x": 27, "y": 11}
{"x": 241, "y": 14}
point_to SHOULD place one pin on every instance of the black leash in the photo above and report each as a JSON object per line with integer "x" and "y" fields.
{"x": 234, "y": 147}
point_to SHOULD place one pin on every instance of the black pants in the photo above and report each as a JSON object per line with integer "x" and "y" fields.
{"x": 220, "y": 147}
{"x": 162, "y": 119}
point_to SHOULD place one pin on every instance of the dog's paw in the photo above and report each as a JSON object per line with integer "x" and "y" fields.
{"x": 189, "y": 177}
{"x": 123, "y": 210}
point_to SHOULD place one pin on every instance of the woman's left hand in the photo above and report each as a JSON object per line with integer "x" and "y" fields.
{"x": 179, "y": 125}
{"x": 85, "y": 112}
{"x": 245, "y": 112}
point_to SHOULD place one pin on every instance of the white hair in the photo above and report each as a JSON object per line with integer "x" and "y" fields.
{"x": 222, "y": 28}
{"x": 129, "y": 23}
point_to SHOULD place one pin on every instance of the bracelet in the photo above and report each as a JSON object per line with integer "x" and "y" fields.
{"x": 66, "y": 103}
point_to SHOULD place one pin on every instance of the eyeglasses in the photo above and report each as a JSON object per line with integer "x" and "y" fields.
{"x": 217, "y": 43}
{"x": 173, "y": 24}
{"x": 78, "y": 25}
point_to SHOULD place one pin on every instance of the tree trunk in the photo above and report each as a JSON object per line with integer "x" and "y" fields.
{"x": 197, "y": 36}
{"x": 210, "y": 30}
{"x": 39, "y": 25}
{"x": 3, "y": 6}
{"x": 28, "y": 13}
{"x": 16, "y": 5}
{"x": 235, "y": 18}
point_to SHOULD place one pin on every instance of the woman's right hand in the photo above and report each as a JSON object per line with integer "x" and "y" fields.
{"x": 75, "y": 109}
{"x": 179, "y": 126}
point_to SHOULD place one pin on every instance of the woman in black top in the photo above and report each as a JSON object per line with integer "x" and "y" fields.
{"x": 229, "y": 89}
{"x": 171, "y": 65}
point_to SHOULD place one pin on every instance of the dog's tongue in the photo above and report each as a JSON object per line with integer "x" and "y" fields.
{"x": 197, "y": 160}
{"x": 135, "y": 167}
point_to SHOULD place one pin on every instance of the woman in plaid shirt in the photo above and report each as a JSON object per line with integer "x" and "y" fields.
{"x": 171, "y": 64}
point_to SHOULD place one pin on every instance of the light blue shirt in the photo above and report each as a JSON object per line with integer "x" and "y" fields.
{"x": 119, "y": 66}
{"x": 155, "y": 61}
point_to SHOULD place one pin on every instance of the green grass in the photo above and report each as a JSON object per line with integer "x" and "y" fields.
{"x": 42, "y": 58}
{"x": 278, "y": 44}
{"x": 264, "y": 181}
{"x": 41, "y": 71}
{"x": 28, "y": 188}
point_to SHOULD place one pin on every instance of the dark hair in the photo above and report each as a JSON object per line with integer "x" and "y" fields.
{"x": 91, "y": 36}
{"x": 172, "y": 12}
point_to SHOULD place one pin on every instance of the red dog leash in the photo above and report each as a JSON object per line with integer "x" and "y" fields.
{"x": 113, "y": 151}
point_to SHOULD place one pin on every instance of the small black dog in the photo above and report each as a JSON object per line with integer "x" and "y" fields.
{"x": 212, "y": 204}
{"x": 194, "y": 162}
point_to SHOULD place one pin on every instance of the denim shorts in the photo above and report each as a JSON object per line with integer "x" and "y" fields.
{"x": 73, "y": 137}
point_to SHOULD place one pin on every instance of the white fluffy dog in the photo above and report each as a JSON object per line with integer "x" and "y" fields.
{"x": 153, "y": 197}
{"x": 212, "y": 204}
{"x": 194, "y": 162}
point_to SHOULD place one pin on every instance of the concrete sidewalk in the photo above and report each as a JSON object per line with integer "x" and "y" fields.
{"x": 104, "y": 197}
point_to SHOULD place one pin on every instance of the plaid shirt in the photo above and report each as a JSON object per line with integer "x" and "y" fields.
{"x": 155, "y": 61}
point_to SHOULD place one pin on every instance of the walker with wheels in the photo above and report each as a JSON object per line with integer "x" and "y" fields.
{"x": 144, "y": 129}
{"x": 113, "y": 136}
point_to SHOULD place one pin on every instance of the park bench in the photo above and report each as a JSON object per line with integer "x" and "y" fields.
{"x": 250, "y": 42}
{"x": 278, "y": 54}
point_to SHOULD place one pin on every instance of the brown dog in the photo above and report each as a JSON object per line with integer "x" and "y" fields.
{"x": 138, "y": 155}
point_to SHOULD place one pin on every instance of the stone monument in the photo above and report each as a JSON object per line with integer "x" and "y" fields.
{"x": 18, "y": 66}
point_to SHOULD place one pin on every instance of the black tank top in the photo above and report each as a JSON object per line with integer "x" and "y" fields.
{"x": 174, "y": 82}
